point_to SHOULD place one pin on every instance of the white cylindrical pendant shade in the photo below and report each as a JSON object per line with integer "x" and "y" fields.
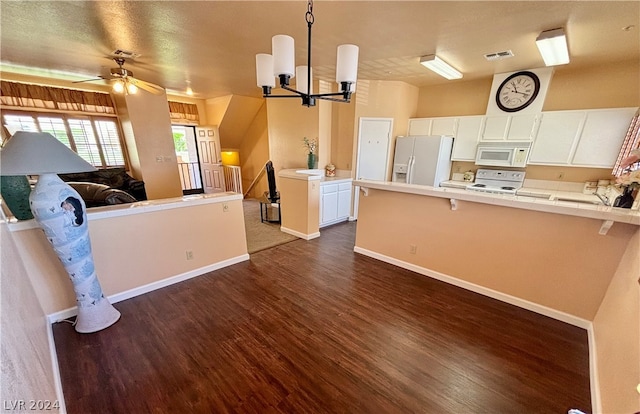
{"x": 301, "y": 80}
{"x": 264, "y": 70}
{"x": 347, "y": 63}
{"x": 283, "y": 49}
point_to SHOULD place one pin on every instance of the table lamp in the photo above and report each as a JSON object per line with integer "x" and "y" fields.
{"x": 61, "y": 213}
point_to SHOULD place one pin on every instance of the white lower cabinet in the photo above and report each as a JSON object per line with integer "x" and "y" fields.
{"x": 335, "y": 202}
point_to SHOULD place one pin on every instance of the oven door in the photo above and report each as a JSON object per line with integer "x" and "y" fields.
{"x": 495, "y": 156}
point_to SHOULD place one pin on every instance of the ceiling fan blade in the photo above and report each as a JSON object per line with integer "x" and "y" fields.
{"x": 90, "y": 80}
{"x": 149, "y": 87}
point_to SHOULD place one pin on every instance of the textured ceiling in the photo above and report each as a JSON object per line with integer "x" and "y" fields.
{"x": 212, "y": 44}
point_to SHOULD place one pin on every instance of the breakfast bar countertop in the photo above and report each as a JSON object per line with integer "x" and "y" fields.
{"x": 528, "y": 199}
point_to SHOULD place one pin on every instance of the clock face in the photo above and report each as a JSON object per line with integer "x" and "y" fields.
{"x": 517, "y": 91}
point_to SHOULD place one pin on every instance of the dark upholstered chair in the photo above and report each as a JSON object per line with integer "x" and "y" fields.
{"x": 116, "y": 178}
{"x": 98, "y": 195}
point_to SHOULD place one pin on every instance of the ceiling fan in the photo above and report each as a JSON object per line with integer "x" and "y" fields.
{"x": 124, "y": 82}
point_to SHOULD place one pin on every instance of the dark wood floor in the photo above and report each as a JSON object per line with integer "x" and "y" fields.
{"x": 312, "y": 327}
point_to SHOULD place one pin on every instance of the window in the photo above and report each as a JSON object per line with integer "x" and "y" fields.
{"x": 96, "y": 139}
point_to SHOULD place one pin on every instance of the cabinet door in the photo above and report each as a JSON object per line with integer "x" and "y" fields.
{"x": 419, "y": 126}
{"x": 522, "y": 127}
{"x": 495, "y": 128}
{"x": 466, "y": 138}
{"x": 328, "y": 203}
{"x": 602, "y": 136}
{"x": 344, "y": 200}
{"x": 443, "y": 126}
{"x": 556, "y": 138}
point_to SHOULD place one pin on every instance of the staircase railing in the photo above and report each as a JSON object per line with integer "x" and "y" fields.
{"x": 255, "y": 181}
{"x": 232, "y": 178}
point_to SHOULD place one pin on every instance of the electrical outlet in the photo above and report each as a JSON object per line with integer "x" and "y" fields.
{"x": 189, "y": 255}
{"x": 225, "y": 207}
{"x": 413, "y": 248}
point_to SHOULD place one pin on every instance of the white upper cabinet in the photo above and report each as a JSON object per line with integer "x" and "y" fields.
{"x": 512, "y": 127}
{"x": 557, "y": 137}
{"x": 433, "y": 126}
{"x": 465, "y": 142}
{"x": 602, "y": 136}
{"x": 589, "y": 138}
{"x": 419, "y": 126}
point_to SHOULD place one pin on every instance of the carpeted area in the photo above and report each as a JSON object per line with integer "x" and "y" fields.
{"x": 261, "y": 236}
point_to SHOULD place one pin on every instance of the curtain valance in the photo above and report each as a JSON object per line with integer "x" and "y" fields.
{"x": 31, "y": 96}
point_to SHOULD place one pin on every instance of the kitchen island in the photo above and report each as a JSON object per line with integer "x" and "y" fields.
{"x": 575, "y": 262}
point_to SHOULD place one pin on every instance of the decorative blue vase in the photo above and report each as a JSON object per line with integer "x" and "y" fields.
{"x": 61, "y": 213}
{"x": 15, "y": 192}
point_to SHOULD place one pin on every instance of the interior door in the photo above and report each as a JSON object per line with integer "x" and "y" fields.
{"x": 208, "y": 153}
{"x": 372, "y": 162}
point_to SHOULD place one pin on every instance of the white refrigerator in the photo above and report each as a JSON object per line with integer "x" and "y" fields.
{"x": 424, "y": 160}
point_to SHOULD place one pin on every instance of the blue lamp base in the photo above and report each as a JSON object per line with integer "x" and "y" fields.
{"x": 61, "y": 213}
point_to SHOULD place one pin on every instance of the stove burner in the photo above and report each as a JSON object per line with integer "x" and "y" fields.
{"x": 508, "y": 188}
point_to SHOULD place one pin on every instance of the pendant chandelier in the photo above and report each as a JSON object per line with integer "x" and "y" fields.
{"x": 281, "y": 64}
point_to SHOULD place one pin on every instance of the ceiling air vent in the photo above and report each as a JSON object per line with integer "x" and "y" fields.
{"x": 125, "y": 54}
{"x": 498, "y": 55}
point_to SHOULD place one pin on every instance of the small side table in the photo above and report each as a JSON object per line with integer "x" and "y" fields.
{"x": 269, "y": 212}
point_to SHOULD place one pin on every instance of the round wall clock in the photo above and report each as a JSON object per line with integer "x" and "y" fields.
{"x": 518, "y": 91}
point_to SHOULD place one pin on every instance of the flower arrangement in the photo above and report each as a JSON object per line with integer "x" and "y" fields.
{"x": 630, "y": 179}
{"x": 311, "y": 145}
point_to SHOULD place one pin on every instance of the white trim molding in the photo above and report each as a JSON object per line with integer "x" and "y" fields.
{"x": 300, "y": 235}
{"x": 131, "y": 293}
{"x": 521, "y": 303}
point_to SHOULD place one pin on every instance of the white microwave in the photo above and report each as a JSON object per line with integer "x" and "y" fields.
{"x": 503, "y": 154}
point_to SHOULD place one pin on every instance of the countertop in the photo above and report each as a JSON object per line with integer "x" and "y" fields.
{"x": 528, "y": 199}
{"x": 312, "y": 175}
{"x": 139, "y": 207}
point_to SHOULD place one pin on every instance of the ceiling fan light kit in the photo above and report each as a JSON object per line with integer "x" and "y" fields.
{"x": 440, "y": 67}
{"x": 281, "y": 64}
{"x": 553, "y": 47}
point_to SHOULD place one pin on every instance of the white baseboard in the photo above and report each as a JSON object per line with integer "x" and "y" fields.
{"x": 57, "y": 381}
{"x": 596, "y": 402}
{"x": 131, "y": 293}
{"x": 521, "y": 303}
{"x": 300, "y": 235}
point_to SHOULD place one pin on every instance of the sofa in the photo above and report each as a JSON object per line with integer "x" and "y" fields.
{"x": 114, "y": 178}
{"x": 98, "y": 195}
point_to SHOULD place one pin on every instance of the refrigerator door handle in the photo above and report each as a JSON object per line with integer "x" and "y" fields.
{"x": 410, "y": 169}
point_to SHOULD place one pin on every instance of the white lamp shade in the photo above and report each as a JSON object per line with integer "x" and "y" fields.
{"x": 264, "y": 70}
{"x": 553, "y": 47}
{"x": 39, "y": 153}
{"x": 347, "y": 63}
{"x": 283, "y": 50}
{"x": 301, "y": 80}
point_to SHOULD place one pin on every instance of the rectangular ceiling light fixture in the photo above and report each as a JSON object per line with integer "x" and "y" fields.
{"x": 440, "y": 67}
{"x": 553, "y": 47}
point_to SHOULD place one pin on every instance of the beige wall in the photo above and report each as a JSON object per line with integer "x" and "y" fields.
{"x": 27, "y": 370}
{"x": 147, "y": 129}
{"x": 300, "y": 205}
{"x": 617, "y": 333}
{"x": 288, "y": 123}
{"x": 553, "y": 260}
{"x": 134, "y": 250}
{"x": 254, "y": 153}
{"x": 343, "y": 124}
{"x": 614, "y": 85}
